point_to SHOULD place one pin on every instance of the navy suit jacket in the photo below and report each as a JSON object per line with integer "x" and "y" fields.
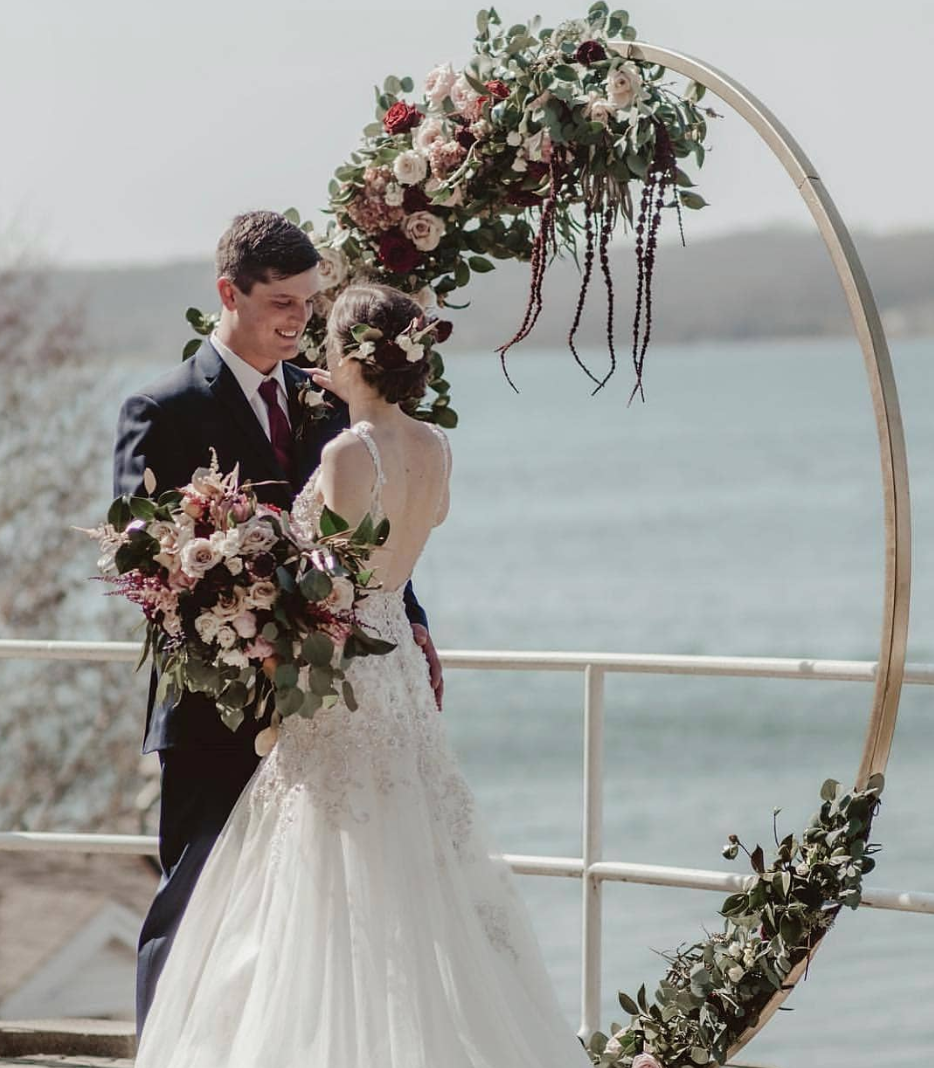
{"x": 170, "y": 428}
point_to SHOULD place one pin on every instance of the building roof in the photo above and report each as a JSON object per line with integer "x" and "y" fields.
{"x": 47, "y": 898}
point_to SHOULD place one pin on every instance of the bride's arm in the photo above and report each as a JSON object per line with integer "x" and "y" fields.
{"x": 347, "y": 478}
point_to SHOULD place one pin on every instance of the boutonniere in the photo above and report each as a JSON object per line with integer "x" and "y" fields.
{"x": 312, "y": 406}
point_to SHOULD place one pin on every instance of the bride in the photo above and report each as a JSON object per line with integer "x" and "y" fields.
{"x": 350, "y": 912}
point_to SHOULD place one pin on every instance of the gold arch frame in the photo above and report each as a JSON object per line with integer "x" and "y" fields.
{"x": 897, "y": 510}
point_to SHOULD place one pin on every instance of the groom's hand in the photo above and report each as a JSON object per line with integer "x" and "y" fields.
{"x": 423, "y": 639}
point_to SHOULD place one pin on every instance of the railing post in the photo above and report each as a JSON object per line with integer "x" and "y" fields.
{"x": 592, "y": 852}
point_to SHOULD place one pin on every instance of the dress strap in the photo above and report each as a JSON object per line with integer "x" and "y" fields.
{"x": 362, "y": 431}
{"x": 445, "y": 461}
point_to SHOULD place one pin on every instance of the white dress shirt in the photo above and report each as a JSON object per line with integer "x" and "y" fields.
{"x": 249, "y": 380}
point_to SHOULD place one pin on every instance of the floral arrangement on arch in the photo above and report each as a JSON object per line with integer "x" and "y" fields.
{"x": 529, "y": 151}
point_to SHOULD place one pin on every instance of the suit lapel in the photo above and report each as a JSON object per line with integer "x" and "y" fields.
{"x": 312, "y": 437}
{"x": 226, "y": 389}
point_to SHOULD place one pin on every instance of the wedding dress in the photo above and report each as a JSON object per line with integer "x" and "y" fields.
{"x": 350, "y": 913}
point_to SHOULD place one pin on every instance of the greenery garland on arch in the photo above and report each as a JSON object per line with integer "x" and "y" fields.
{"x": 715, "y": 990}
{"x": 531, "y": 151}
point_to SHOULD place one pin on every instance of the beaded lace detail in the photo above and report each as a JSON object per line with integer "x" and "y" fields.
{"x": 393, "y": 741}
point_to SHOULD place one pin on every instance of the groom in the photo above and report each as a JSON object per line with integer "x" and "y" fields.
{"x": 240, "y": 396}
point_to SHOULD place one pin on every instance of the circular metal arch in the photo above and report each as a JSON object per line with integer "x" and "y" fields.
{"x": 865, "y": 315}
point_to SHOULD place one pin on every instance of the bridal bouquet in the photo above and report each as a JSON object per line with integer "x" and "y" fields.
{"x": 238, "y": 604}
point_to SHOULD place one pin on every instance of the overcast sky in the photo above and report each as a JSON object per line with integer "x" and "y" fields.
{"x": 133, "y": 132}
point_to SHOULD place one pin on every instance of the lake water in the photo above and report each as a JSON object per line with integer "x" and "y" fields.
{"x": 737, "y": 511}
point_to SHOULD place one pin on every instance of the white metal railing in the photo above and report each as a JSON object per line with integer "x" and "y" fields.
{"x": 590, "y": 867}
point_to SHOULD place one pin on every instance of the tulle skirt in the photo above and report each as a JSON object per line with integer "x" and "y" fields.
{"x": 351, "y": 913}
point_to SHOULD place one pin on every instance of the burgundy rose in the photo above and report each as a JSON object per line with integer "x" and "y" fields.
{"x": 262, "y": 566}
{"x": 401, "y": 117}
{"x": 415, "y": 199}
{"x": 397, "y": 252}
{"x": 536, "y": 170}
{"x": 590, "y": 52}
{"x": 443, "y": 330}
{"x": 497, "y": 88}
{"x": 464, "y": 138}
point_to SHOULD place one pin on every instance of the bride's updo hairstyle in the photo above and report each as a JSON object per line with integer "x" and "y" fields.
{"x": 386, "y": 365}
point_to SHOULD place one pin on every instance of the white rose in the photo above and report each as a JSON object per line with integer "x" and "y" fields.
{"x": 599, "y": 109}
{"x": 410, "y": 167}
{"x": 520, "y": 165}
{"x": 234, "y": 657}
{"x": 163, "y": 532}
{"x": 332, "y": 267}
{"x": 394, "y": 195}
{"x": 464, "y": 97}
{"x": 245, "y": 625}
{"x": 340, "y": 599}
{"x": 412, "y": 349}
{"x": 198, "y": 557}
{"x": 424, "y": 230}
{"x": 207, "y": 625}
{"x": 311, "y": 398}
{"x": 256, "y": 537}
{"x": 514, "y": 138}
{"x": 736, "y": 973}
{"x": 226, "y": 637}
{"x": 229, "y": 606}
{"x": 429, "y": 131}
{"x": 262, "y": 594}
{"x": 234, "y": 565}
{"x": 624, "y": 85}
{"x": 438, "y": 84}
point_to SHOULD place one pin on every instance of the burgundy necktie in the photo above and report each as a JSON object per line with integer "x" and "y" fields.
{"x": 279, "y": 432}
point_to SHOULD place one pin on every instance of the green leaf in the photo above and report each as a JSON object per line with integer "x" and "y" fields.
{"x": 694, "y": 201}
{"x": 392, "y": 85}
{"x": 700, "y": 1056}
{"x": 446, "y": 418}
{"x": 407, "y": 84}
{"x": 565, "y": 72}
{"x": 143, "y": 508}
{"x": 331, "y": 523}
{"x": 119, "y": 513}
{"x": 195, "y": 317}
{"x": 320, "y": 681}
{"x": 480, "y": 264}
{"x": 318, "y": 649}
{"x": 461, "y": 273}
{"x": 315, "y": 585}
{"x": 349, "y": 700}
{"x": 270, "y": 632}
{"x": 373, "y": 129}
{"x": 191, "y": 347}
{"x": 292, "y": 215}
{"x": 286, "y": 677}
{"x": 476, "y": 84}
{"x": 290, "y": 701}
{"x": 628, "y": 1005}
{"x": 828, "y": 790}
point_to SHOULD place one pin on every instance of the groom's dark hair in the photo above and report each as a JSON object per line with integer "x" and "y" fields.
{"x": 260, "y": 245}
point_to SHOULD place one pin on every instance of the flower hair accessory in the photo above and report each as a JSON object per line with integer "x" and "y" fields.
{"x": 411, "y": 346}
